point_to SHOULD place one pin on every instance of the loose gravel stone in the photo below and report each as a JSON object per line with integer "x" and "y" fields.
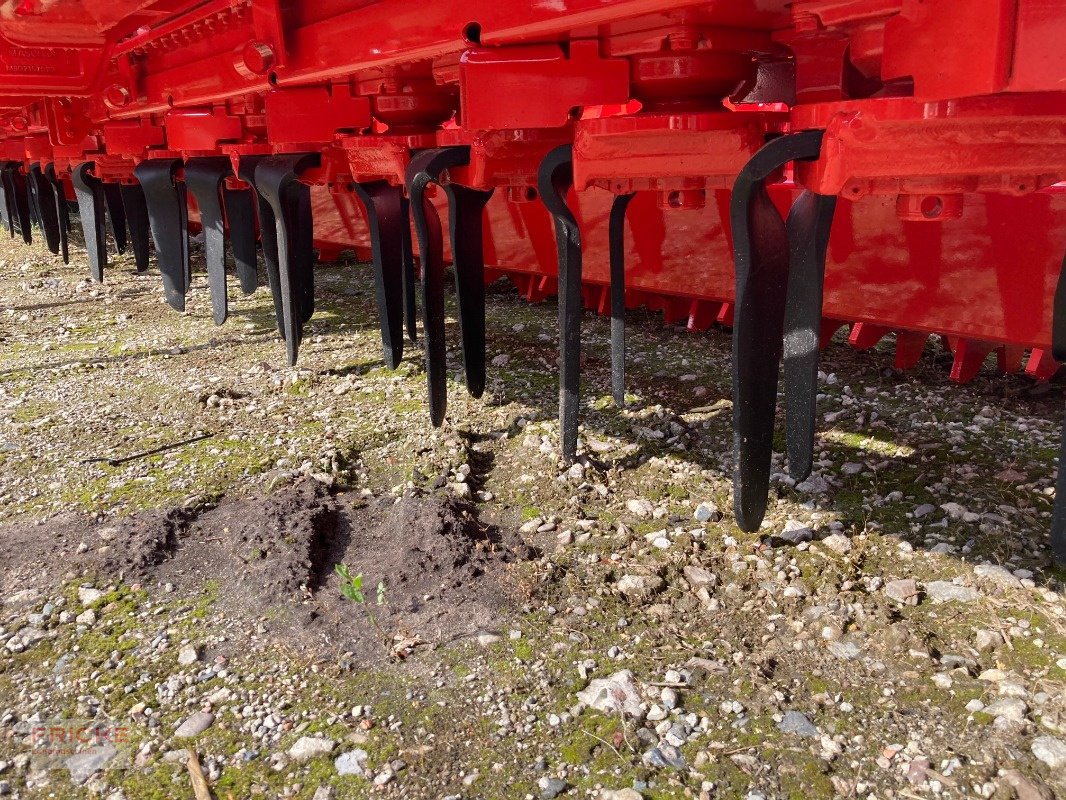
{"x": 947, "y": 592}
{"x": 1050, "y": 750}
{"x": 195, "y": 725}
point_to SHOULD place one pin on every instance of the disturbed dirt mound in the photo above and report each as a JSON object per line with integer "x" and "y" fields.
{"x": 442, "y": 572}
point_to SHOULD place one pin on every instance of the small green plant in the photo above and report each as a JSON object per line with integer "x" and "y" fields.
{"x": 352, "y": 585}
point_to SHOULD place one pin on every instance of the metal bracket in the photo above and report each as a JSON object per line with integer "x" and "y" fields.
{"x": 465, "y": 222}
{"x": 204, "y": 177}
{"x": 554, "y": 179}
{"x": 290, "y": 200}
{"x": 777, "y": 267}
{"x": 168, "y": 217}
{"x": 90, "y": 193}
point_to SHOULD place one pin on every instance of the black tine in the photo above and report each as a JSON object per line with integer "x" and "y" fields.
{"x": 47, "y": 214}
{"x": 808, "y": 226}
{"x": 31, "y": 197}
{"x": 616, "y": 238}
{"x": 90, "y": 195}
{"x": 116, "y": 212}
{"x": 290, "y": 200}
{"x": 555, "y": 178}
{"x": 386, "y": 220}
{"x": 268, "y": 235}
{"x": 1058, "y": 350}
{"x": 203, "y": 177}
{"x": 168, "y": 220}
{"x": 240, "y": 216}
{"x": 465, "y": 215}
{"x": 410, "y": 292}
{"x": 136, "y": 210}
{"x": 761, "y": 255}
{"x": 22, "y": 203}
{"x": 5, "y": 200}
{"x": 423, "y": 170}
{"x": 59, "y": 200}
{"x": 11, "y": 215}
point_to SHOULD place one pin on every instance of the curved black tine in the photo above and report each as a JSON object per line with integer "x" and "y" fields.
{"x": 47, "y": 213}
{"x": 90, "y": 195}
{"x": 136, "y": 209}
{"x": 116, "y": 212}
{"x": 240, "y": 217}
{"x": 268, "y": 235}
{"x": 31, "y": 197}
{"x": 59, "y": 199}
{"x": 761, "y": 255}
{"x": 168, "y": 219}
{"x": 466, "y": 222}
{"x": 808, "y": 226}
{"x": 6, "y": 197}
{"x": 554, "y": 179}
{"x": 22, "y": 202}
{"x": 424, "y": 169}
{"x": 386, "y": 220}
{"x": 203, "y": 177}
{"x": 410, "y": 292}
{"x": 617, "y": 241}
{"x": 1058, "y": 350}
{"x": 275, "y": 179}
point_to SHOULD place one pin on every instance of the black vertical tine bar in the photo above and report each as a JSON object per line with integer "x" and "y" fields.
{"x": 5, "y": 199}
{"x": 90, "y": 193}
{"x": 116, "y": 212}
{"x": 31, "y": 196}
{"x": 268, "y": 234}
{"x": 554, "y": 179}
{"x": 240, "y": 218}
{"x": 136, "y": 210}
{"x": 204, "y": 177}
{"x": 168, "y": 221}
{"x": 423, "y": 170}
{"x": 385, "y": 217}
{"x": 47, "y": 214}
{"x": 808, "y": 225}
{"x": 616, "y": 237}
{"x": 410, "y": 303}
{"x": 1058, "y": 350}
{"x": 276, "y": 180}
{"x": 761, "y": 256}
{"x": 59, "y": 200}
{"x": 9, "y": 198}
{"x": 466, "y": 223}
{"x": 22, "y": 203}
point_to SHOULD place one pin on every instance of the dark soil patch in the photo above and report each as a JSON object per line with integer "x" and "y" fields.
{"x": 444, "y": 574}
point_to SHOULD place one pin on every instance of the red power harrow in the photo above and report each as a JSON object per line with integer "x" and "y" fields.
{"x": 781, "y": 168}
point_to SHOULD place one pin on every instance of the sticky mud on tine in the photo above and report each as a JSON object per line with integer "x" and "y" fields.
{"x": 431, "y": 250}
{"x": 90, "y": 196}
{"x": 617, "y": 250}
{"x": 136, "y": 209}
{"x": 761, "y": 257}
{"x": 386, "y": 218}
{"x": 47, "y": 213}
{"x": 240, "y": 218}
{"x": 554, "y": 179}
{"x": 168, "y": 222}
{"x": 808, "y": 225}
{"x": 116, "y": 213}
{"x": 204, "y": 177}
{"x": 290, "y": 200}
{"x": 466, "y": 223}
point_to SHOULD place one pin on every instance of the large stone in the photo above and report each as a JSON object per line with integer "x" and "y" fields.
{"x": 195, "y": 725}
{"x": 641, "y": 507}
{"x": 796, "y": 722}
{"x": 88, "y": 595}
{"x": 639, "y": 587}
{"x": 619, "y": 794}
{"x": 998, "y": 575}
{"x": 82, "y": 766}
{"x": 837, "y": 542}
{"x": 1010, "y": 708}
{"x": 351, "y": 763}
{"x": 947, "y": 592}
{"x": 699, "y": 577}
{"x": 308, "y": 747}
{"x": 617, "y": 693}
{"x": 903, "y": 591}
{"x": 1050, "y": 750}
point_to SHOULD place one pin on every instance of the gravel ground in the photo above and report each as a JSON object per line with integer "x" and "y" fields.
{"x": 895, "y": 630}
